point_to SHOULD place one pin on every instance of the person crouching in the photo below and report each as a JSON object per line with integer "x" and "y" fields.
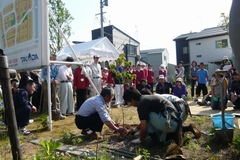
{"x": 93, "y": 114}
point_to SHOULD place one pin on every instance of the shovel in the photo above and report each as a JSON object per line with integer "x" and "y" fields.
{"x": 223, "y": 135}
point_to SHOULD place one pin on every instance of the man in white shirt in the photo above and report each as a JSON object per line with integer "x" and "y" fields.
{"x": 96, "y": 75}
{"x": 66, "y": 89}
{"x": 93, "y": 114}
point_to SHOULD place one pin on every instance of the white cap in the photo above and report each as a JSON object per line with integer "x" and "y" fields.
{"x": 161, "y": 76}
{"x": 161, "y": 65}
{"x": 105, "y": 68}
{"x": 225, "y": 57}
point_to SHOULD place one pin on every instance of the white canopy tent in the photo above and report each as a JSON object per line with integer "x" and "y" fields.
{"x": 85, "y": 51}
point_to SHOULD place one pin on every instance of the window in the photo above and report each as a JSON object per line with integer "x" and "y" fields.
{"x": 221, "y": 43}
{"x": 131, "y": 49}
{"x": 185, "y": 50}
{"x": 165, "y": 58}
{"x": 206, "y": 66}
{"x": 198, "y": 44}
{"x": 198, "y": 56}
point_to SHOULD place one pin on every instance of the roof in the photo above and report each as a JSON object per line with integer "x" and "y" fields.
{"x": 184, "y": 36}
{"x": 208, "y": 32}
{"x": 114, "y": 27}
{"x": 153, "y": 51}
{"x": 101, "y": 47}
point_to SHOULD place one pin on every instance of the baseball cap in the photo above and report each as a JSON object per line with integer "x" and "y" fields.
{"x": 161, "y": 76}
{"x": 225, "y": 58}
{"x": 96, "y": 56}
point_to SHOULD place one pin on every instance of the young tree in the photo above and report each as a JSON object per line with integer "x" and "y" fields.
{"x": 224, "y": 22}
{"x": 63, "y": 18}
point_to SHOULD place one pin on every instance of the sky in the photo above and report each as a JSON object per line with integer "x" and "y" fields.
{"x": 154, "y": 23}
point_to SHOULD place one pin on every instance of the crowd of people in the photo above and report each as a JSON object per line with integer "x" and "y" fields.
{"x": 93, "y": 99}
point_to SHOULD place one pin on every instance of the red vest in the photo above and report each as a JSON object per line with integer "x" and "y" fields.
{"x": 150, "y": 77}
{"x": 80, "y": 80}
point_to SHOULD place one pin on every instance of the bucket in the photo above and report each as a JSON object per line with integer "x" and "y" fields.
{"x": 217, "y": 120}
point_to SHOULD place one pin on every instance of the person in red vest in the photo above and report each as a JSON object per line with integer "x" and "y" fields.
{"x": 150, "y": 78}
{"x": 80, "y": 85}
{"x": 139, "y": 73}
{"x": 110, "y": 78}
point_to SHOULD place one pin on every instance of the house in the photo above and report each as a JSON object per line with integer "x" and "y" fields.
{"x": 156, "y": 57}
{"x": 208, "y": 46}
{"x": 122, "y": 42}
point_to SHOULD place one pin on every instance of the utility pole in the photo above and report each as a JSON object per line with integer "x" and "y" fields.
{"x": 102, "y": 4}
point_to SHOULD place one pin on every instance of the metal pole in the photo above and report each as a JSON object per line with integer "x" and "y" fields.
{"x": 222, "y": 96}
{"x": 101, "y": 12}
{"x": 9, "y": 108}
{"x": 49, "y": 122}
{"x": 222, "y": 106}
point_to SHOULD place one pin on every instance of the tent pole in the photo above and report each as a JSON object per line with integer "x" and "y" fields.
{"x": 49, "y": 93}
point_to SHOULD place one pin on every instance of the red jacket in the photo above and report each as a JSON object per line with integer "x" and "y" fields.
{"x": 150, "y": 77}
{"x": 110, "y": 77}
{"x": 139, "y": 74}
{"x": 80, "y": 80}
{"x": 145, "y": 73}
{"x": 104, "y": 77}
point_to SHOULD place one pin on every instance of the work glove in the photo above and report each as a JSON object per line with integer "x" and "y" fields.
{"x": 222, "y": 99}
{"x": 136, "y": 141}
{"x": 215, "y": 98}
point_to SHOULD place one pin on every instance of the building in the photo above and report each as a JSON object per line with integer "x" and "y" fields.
{"x": 183, "y": 52}
{"x": 122, "y": 42}
{"x": 208, "y": 46}
{"x": 156, "y": 57}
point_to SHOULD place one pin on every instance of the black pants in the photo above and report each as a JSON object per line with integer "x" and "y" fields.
{"x": 217, "y": 104}
{"x": 203, "y": 88}
{"x": 151, "y": 84}
{"x": 81, "y": 97}
{"x": 237, "y": 103}
{"x": 23, "y": 115}
{"x": 193, "y": 83}
{"x": 93, "y": 122}
{"x": 36, "y": 97}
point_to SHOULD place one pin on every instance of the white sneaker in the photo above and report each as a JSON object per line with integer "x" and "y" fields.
{"x": 24, "y": 131}
{"x": 62, "y": 117}
{"x": 31, "y": 121}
